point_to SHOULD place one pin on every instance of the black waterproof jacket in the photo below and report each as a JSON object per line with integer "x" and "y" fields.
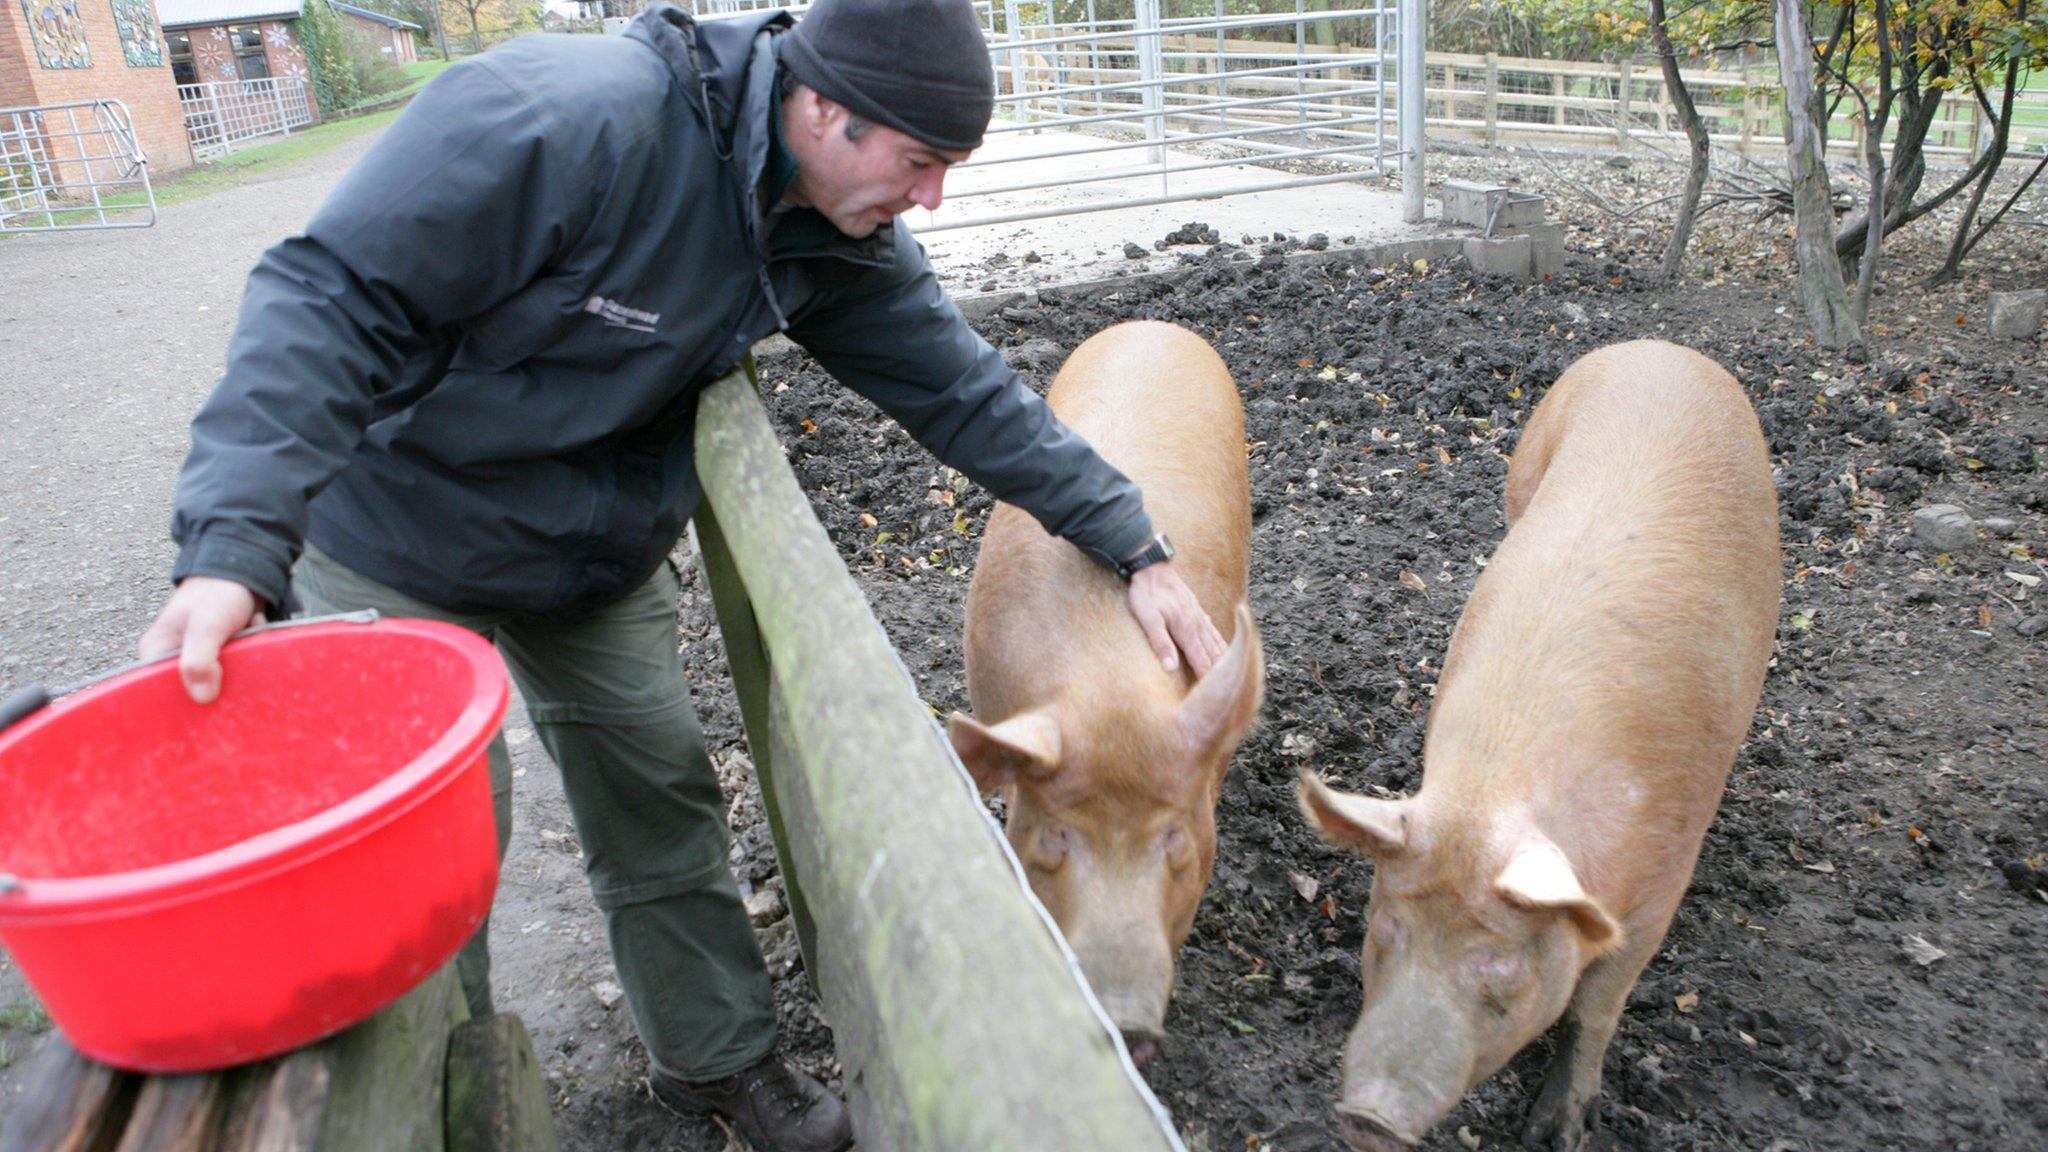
{"x": 474, "y": 377}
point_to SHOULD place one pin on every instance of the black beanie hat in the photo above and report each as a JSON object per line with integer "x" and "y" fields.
{"x": 918, "y": 66}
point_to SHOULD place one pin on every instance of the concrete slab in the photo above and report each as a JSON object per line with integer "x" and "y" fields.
{"x": 1090, "y": 246}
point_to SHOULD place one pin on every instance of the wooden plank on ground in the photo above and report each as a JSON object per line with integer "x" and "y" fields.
{"x": 497, "y": 1100}
{"x": 71, "y": 1104}
{"x": 279, "y": 1105}
{"x": 387, "y": 1090}
{"x": 177, "y": 1114}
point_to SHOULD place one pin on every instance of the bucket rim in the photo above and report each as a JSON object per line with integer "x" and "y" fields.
{"x": 50, "y": 900}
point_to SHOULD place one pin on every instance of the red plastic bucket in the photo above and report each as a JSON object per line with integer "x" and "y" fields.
{"x": 198, "y": 886}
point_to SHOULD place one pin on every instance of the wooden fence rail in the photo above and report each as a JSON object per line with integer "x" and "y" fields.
{"x": 1496, "y": 99}
{"x": 961, "y": 1021}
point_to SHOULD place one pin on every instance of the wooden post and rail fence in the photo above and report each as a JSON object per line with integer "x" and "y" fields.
{"x": 961, "y": 1020}
{"x": 1488, "y": 98}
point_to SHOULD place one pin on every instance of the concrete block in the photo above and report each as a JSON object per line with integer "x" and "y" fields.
{"x": 1501, "y": 255}
{"x": 2017, "y": 315}
{"x": 1546, "y": 247}
{"x": 1943, "y": 528}
{"x": 1475, "y": 204}
{"x": 1468, "y": 203}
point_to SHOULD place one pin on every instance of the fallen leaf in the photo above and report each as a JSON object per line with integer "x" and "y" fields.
{"x": 809, "y": 427}
{"x": 1240, "y": 1025}
{"x": 1983, "y": 615}
{"x": 1746, "y": 1038}
{"x": 1411, "y": 580}
{"x": 1687, "y": 1002}
{"x": 1422, "y": 267}
{"x": 1920, "y": 951}
{"x": 1822, "y": 867}
{"x": 1329, "y": 907}
{"x": 1444, "y": 455}
{"x": 1801, "y": 621}
{"x": 960, "y": 523}
{"x": 2026, "y": 579}
{"x": 1304, "y": 362}
{"x": 1304, "y": 886}
{"x": 1329, "y": 372}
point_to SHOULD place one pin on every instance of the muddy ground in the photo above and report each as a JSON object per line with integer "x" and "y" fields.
{"x": 1892, "y": 792}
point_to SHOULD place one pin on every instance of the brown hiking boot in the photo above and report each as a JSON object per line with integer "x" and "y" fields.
{"x": 776, "y": 1108}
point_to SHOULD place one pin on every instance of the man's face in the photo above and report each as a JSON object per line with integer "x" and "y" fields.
{"x": 858, "y": 184}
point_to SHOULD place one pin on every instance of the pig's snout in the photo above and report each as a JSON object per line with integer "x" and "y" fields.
{"x": 1368, "y": 1133}
{"x": 1143, "y": 1044}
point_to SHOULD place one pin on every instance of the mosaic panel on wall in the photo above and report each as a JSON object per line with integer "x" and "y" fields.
{"x": 59, "y": 33}
{"x": 142, "y": 42}
{"x": 213, "y": 57}
{"x": 285, "y": 57}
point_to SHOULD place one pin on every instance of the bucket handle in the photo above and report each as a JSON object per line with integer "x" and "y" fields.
{"x": 34, "y": 698}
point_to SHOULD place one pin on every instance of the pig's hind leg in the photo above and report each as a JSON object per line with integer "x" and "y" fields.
{"x": 1557, "y": 1120}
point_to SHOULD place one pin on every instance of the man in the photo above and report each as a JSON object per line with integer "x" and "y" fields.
{"x": 466, "y": 393}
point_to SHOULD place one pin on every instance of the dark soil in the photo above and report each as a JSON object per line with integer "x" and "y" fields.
{"x": 1892, "y": 787}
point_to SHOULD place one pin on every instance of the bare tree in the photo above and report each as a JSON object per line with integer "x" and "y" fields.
{"x": 1994, "y": 155}
{"x": 1695, "y": 133}
{"x": 476, "y": 36}
{"x": 1822, "y": 291}
{"x": 1875, "y": 118}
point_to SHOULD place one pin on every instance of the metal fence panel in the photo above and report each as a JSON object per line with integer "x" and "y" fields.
{"x": 1182, "y": 87}
{"x": 222, "y": 114}
{"x": 72, "y": 167}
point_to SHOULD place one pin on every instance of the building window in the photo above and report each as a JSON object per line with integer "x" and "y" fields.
{"x": 249, "y": 58}
{"x": 181, "y": 58}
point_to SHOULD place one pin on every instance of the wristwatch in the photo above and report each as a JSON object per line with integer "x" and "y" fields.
{"x": 1156, "y": 550}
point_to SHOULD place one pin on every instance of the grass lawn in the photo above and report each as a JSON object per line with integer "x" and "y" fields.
{"x": 269, "y": 155}
{"x": 233, "y": 168}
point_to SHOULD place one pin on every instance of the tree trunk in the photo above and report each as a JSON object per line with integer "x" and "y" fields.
{"x": 1822, "y": 291}
{"x": 1695, "y": 132}
{"x": 1873, "y": 157}
{"x": 2001, "y": 135}
{"x": 1917, "y": 109}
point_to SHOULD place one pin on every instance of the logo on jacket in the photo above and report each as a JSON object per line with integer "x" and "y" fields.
{"x": 619, "y": 316}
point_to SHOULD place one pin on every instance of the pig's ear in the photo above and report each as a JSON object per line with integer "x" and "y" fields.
{"x": 1378, "y": 828}
{"x": 1538, "y": 876}
{"x": 1226, "y": 700}
{"x": 1026, "y": 746}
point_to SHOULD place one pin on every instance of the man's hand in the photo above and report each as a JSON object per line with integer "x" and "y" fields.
{"x": 198, "y": 618}
{"x": 1173, "y": 619}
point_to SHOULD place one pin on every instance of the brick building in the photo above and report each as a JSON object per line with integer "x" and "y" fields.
{"x": 58, "y": 51}
{"x": 218, "y": 40}
{"x": 388, "y": 36}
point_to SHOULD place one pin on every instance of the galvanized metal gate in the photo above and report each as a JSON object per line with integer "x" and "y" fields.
{"x": 1162, "y": 101}
{"x": 72, "y": 167}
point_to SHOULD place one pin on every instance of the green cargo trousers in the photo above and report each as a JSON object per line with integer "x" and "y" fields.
{"x": 607, "y": 696}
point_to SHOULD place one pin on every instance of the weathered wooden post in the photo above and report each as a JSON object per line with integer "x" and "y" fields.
{"x": 1621, "y": 120}
{"x": 1492, "y": 98}
{"x": 961, "y": 1020}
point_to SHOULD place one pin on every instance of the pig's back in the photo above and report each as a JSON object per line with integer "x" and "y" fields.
{"x": 1632, "y": 607}
{"x": 1156, "y": 401}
